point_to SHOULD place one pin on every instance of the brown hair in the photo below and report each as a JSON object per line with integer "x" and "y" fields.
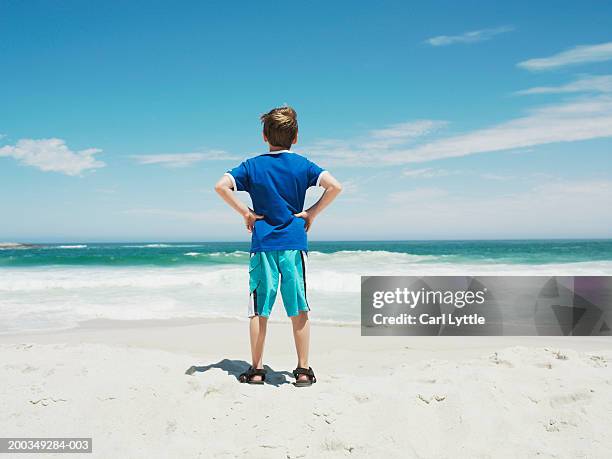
{"x": 280, "y": 126}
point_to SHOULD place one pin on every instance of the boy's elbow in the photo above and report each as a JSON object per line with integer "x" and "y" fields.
{"x": 220, "y": 187}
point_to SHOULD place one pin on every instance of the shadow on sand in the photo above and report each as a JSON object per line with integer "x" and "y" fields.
{"x": 236, "y": 367}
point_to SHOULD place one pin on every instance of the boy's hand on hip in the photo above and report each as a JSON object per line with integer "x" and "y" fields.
{"x": 308, "y": 218}
{"x": 250, "y": 218}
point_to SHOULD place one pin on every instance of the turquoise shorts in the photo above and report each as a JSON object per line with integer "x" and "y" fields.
{"x": 265, "y": 271}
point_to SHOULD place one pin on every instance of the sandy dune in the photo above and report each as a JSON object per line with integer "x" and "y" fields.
{"x": 169, "y": 390}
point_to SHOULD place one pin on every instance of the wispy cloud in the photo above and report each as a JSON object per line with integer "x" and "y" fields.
{"x": 565, "y": 122}
{"x": 183, "y": 159}
{"x": 473, "y": 36}
{"x": 401, "y": 133}
{"x": 52, "y": 155}
{"x": 367, "y": 149}
{"x": 577, "y": 55}
{"x": 585, "y": 83}
{"x": 429, "y": 172}
{"x": 418, "y": 195}
{"x": 569, "y": 121}
{"x": 432, "y": 173}
{"x": 497, "y": 177}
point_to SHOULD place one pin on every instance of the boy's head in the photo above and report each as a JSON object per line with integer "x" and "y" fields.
{"x": 280, "y": 127}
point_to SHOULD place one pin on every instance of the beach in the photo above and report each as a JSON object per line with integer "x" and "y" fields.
{"x": 168, "y": 388}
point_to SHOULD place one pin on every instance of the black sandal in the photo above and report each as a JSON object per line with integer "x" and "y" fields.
{"x": 247, "y": 376}
{"x": 304, "y": 382}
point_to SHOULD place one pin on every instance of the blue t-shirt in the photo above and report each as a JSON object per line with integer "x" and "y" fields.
{"x": 277, "y": 183}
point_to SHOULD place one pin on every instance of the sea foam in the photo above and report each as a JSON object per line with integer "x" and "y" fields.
{"x": 61, "y": 296}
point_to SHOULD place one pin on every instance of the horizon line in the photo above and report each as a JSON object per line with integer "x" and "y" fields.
{"x": 161, "y": 241}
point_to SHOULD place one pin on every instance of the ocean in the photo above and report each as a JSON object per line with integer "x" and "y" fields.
{"x": 56, "y": 286}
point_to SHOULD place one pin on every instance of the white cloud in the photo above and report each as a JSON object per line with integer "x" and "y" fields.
{"x": 577, "y": 189}
{"x": 183, "y": 159}
{"x": 428, "y": 172}
{"x": 577, "y": 55}
{"x": 52, "y": 155}
{"x": 401, "y": 133}
{"x": 570, "y": 121}
{"x": 367, "y": 149}
{"x": 586, "y": 83}
{"x": 566, "y": 122}
{"x": 497, "y": 177}
{"x": 420, "y": 196}
{"x": 468, "y": 37}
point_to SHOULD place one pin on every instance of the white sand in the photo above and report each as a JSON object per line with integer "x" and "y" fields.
{"x": 125, "y": 386}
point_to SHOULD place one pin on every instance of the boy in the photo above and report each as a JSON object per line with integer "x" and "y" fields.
{"x": 277, "y": 182}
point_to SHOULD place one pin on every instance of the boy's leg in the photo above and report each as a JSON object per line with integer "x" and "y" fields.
{"x": 301, "y": 335}
{"x": 263, "y": 285}
{"x": 257, "y": 331}
{"x": 292, "y": 264}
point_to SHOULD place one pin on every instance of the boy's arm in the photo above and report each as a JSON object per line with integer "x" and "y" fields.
{"x": 225, "y": 188}
{"x": 332, "y": 190}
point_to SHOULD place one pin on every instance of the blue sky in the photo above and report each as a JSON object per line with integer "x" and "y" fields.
{"x": 443, "y": 119}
